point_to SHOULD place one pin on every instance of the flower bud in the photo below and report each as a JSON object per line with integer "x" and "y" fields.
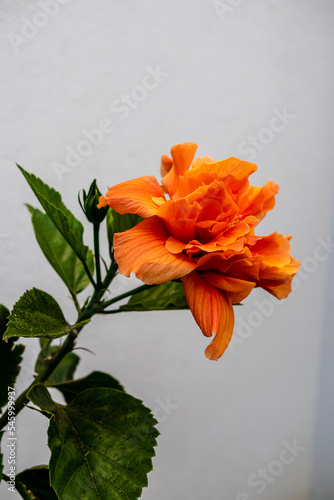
{"x": 90, "y": 202}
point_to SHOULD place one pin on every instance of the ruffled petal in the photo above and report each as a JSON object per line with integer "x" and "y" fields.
{"x": 239, "y": 169}
{"x": 259, "y": 200}
{"x": 200, "y": 160}
{"x": 233, "y": 171}
{"x": 223, "y": 261}
{"x": 227, "y": 283}
{"x": 142, "y": 250}
{"x": 212, "y": 310}
{"x": 277, "y": 280}
{"x": 231, "y": 240}
{"x": 274, "y": 249}
{"x": 247, "y": 269}
{"x": 166, "y": 165}
{"x": 238, "y": 289}
{"x": 141, "y": 196}
{"x": 182, "y": 155}
{"x": 180, "y": 218}
{"x": 174, "y": 245}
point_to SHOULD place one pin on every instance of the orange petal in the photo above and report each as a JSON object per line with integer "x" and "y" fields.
{"x": 195, "y": 246}
{"x": 274, "y": 249}
{"x": 141, "y": 196}
{"x": 232, "y": 171}
{"x": 239, "y": 169}
{"x": 180, "y": 218}
{"x": 239, "y": 289}
{"x": 247, "y": 269}
{"x": 142, "y": 250}
{"x": 182, "y": 155}
{"x": 277, "y": 280}
{"x": 102, "y": 202}
{"x": 212, "y": 310}
{"x": 259, "y": 200}
{"x": 231, "y": 239}
{"x": 200, "y": 160}
{"x": 227, "y": 283}
{"x": 166, "y": 165}
{"x": 223, "y": 261}
{"x": 174, "y": 245}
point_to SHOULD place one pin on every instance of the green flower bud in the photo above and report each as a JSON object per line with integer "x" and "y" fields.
{"x": 90, "y": 202}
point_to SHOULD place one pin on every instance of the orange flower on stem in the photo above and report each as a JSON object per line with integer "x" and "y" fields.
{"x": 203, "y": 234}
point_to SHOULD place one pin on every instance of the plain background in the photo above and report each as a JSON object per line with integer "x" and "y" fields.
{"x": 228, "y": 69}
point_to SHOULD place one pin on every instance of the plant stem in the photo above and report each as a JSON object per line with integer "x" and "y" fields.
{"x": 123, "y": 296}
{"x": 76, "y": 303}
{"x": 91, "y": 279}
{"x": 67, "y": 347}
{"x": 83, "y": 314}
{"x": 110, "y": 275}
{"x": 44, "y": 375}
{"x": 112, "y": 311}
{"x": 97, "y": 255}
{"x": 89, "y": 311}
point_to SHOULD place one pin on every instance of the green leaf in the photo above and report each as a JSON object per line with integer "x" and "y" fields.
{"x": 64, "y": 371}
{"x": 101, "y": 444}
{"x": 37, "y": 314}
{"x": 44, "y": 342}
{"x": 4, "y": 313}
{"x": 117, "y": 223}
{"x": 95, "y": 379}
{"x": 169, "y": 295}
{"x": 63, "y": 219}
{"x": 34, "y": 484}
{"x": 59, "y": 253}
{"x": 10, "y": 359}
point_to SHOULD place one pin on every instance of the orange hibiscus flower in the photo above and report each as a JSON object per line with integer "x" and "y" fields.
{"x": 203, "y": 234}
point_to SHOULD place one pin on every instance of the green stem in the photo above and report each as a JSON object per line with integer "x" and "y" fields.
{"x": 113, "y": 311}
{"x": 110, "y": 276}
{"x": 69, "y": 343}
{"x": 123, "y": 296}
{"x": 43, "y": 376}
{"x": 67, "y": 347}
{"x": 97, "y": 255}
{"x": 76, "y": 303}
{"x": 91, "y": 279}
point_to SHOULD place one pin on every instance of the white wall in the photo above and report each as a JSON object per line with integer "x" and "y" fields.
{"x": 224, "y": 77}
